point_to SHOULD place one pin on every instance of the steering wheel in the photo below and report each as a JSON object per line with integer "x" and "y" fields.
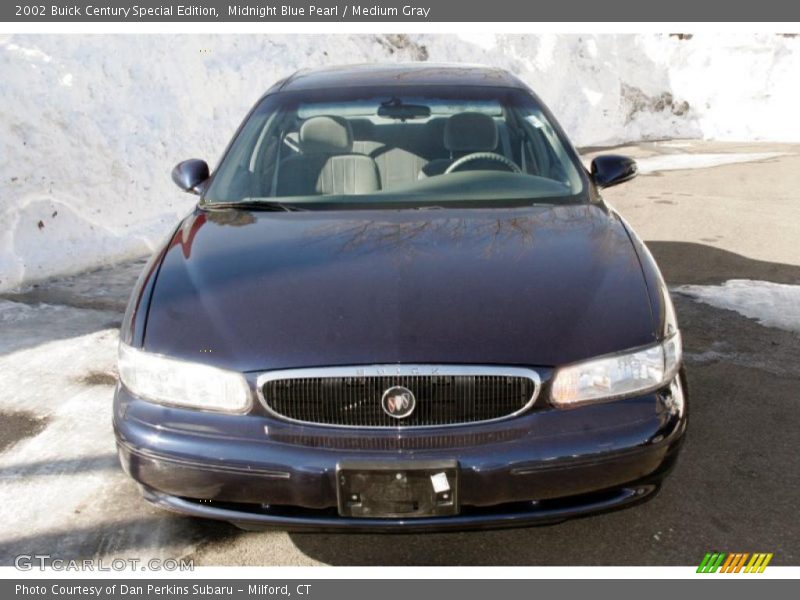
{"x": 506, "y": 162}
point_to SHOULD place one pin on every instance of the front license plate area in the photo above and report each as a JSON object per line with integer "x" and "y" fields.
{"x": 409, "y": 489}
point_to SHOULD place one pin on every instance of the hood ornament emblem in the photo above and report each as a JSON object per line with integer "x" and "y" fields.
{"x": 398, "y": 402}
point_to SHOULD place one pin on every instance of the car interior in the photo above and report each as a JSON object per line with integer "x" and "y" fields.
{"x": 311, "y": 152}
{"x": 334, "y": 155}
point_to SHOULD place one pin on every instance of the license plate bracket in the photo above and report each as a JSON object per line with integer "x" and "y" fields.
{"x": 397, "y": 489}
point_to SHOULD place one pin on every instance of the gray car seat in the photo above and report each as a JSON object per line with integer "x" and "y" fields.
{"x": 401, "y": 149}
{"x": 464, "y": 133}
{"x": 326, "y": 163}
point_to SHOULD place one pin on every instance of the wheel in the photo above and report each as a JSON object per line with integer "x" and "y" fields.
{"x": 492, "y": 156}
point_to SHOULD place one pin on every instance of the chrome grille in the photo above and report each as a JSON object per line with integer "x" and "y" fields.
{"x": 445, "y": 395}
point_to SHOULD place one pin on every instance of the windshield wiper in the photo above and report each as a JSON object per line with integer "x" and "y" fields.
{"x": 265, "y": 205}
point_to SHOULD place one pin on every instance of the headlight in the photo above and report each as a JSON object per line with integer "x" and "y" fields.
{"x": 617, "y": 375}
{"x": 170, "y": 381}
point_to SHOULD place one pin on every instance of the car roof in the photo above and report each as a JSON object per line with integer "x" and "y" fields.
{"x": 419, "y": 73}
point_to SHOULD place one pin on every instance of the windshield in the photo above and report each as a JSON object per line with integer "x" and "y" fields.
{"x": 389, "y": 145}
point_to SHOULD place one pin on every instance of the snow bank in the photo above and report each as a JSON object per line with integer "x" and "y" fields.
{"x": 771, "y": 304}
{"x": 90, "y": 126}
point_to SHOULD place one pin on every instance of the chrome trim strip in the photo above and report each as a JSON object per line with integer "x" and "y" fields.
{"x": 384, "y": 370}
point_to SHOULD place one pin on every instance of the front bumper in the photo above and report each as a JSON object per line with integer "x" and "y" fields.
{"x": 257, "y": 471}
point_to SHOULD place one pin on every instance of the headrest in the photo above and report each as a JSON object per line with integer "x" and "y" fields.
{"x": 328, "y": 135}
{"x": 470, "y": 132}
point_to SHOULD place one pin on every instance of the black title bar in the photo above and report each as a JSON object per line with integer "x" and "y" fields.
{"x": 136, "y": 11}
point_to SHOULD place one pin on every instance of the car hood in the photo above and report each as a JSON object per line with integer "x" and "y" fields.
{"x": 538, "y": 286}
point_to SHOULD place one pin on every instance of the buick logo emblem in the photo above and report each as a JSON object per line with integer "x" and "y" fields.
{"x": 398, "y": 402}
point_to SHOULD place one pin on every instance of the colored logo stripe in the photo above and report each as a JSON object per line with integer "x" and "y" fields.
{"x": 758, "y": 563}
{"x": 711, "y": 562}
{"x": 734, "y": 562}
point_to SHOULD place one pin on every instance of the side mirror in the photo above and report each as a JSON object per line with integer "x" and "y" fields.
{"x": 613, "y": 169}
{"x": 189, "y": 174}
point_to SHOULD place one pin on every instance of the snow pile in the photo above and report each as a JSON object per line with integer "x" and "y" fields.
{"x": 771, "y": 304}
{"x": 92, "y": 125}
{"x": 608, "y": 89}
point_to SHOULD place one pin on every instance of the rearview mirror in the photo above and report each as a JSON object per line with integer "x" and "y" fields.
{"x": 189, "y": 174}
{"x": 613, "y": 169}
{"x": 396, "y": 109}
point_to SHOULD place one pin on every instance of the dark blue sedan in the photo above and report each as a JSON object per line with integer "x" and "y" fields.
{"x": 400, "y": 303}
